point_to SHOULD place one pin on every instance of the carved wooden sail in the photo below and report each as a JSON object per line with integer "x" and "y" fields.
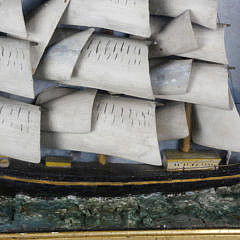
{"x": 41, "y": 25}
{"x": 115, "y": 64}
{"x": 15, "y": 67}
{"x": 60, "y": 59}
{"x": 211, "y": 43}
{"x": 52, "y": 94}
{"x": 170, "y": 77}
{"x": 11, "y": 18}
{"x": 38, "y": 27}
{"x": 202, "y": 86}
{"x": 175, "y": 38}
{"x": 157, "y": 23}
{"x": 217, "y": 128}
{"x": 69, "y": 114}
{"x": 172, "y": 122}
{"x": 121, "y": 127}
{"x": 20, "y": 130}
{"x": 129, "y": 16}
{"x": 203, "y": 12}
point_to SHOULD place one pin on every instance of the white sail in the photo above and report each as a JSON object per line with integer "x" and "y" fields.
{"x": 15, "y": 67}
{"x": 114, "y": 64}
{"x": 71, "y": 113}
{"x": 59, "y": 60}
{"x": 157, "y": 23}
{"x": 172, "y": 121}
{"x": 208, "y": 86}
{"x": 41, "y": 26}
{"x": 217, "y": 128}
{"x": 11, "y": 18}
{"x": 122, "y": 127}
{"x": 129, "y": 16}
{"x": 203, "y": 12}
{"x": 175, "y": 38}
{"x": 171, "y": 77}
{"x": 63, "y": 32}
{"x": 20, "y": 130}
{"x": 53, "y": 93}
{"x": 211, "y": 45}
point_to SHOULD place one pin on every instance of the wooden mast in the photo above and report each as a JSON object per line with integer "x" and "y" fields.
{"x": 186, "y": 145}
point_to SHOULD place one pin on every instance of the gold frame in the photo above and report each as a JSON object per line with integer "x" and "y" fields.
{"x": 211, "y": 234}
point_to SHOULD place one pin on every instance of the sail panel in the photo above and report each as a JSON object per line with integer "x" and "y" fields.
{"x": 15, "y": 67}
{"x": 59, "y": 60}
{"x": 203, "y": 12}
{"x": 128, "y": 16}
{"x": 52, "y": 94}
{"x": 217, "y": 128}
{"x": 171, "y": 77}
{"x": 172, "y": 122}
{"x": 11, "y": 18}
{"x": 157, "y": 24}
{"x": 122, "y": 127}
{"x": 71, "y": 113}
{"x": 114, "y": 64}
{"x": 41, "y": 26}
{"x": 175, "y": 38}
{"x": 208, "y": 86}
{"x": 211, "y": 43}
{"x": 20, "y": 130}
{"x": 61, "y": 33}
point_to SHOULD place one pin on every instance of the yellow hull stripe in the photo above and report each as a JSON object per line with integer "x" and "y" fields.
{"x": 115, "y": 184}
{"x": 4, "y": 161}
{"x": 58, "y": 164}
{"x": 193, "y": 159}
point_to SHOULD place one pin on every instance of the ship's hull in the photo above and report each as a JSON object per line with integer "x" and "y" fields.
{"x": 91, "y": 179}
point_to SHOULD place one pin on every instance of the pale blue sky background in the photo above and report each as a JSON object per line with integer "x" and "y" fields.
{"x": 229, "y": 12}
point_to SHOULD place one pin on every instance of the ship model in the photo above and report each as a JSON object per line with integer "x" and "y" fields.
{"x": 116, "y": 78}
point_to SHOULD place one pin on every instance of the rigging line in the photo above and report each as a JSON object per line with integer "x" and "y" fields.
{"x": 218, "y": 18}
{"x": 228, "y": 157}
{"x": 229, "y": 72}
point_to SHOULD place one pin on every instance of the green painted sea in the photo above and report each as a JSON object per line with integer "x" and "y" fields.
{"x": 210, "y": 208}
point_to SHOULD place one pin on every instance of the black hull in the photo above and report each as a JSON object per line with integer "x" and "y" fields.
{"x": 92, "y": 179}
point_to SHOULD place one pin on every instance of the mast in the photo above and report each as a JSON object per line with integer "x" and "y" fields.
{"x": 186, "y": 146}
{"x": 102, "y": 159}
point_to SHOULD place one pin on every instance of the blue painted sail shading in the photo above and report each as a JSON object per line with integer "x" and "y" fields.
{"x": 29, "y": 5}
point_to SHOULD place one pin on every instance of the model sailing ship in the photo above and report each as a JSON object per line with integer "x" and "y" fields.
{"x": 115, "y": 96}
